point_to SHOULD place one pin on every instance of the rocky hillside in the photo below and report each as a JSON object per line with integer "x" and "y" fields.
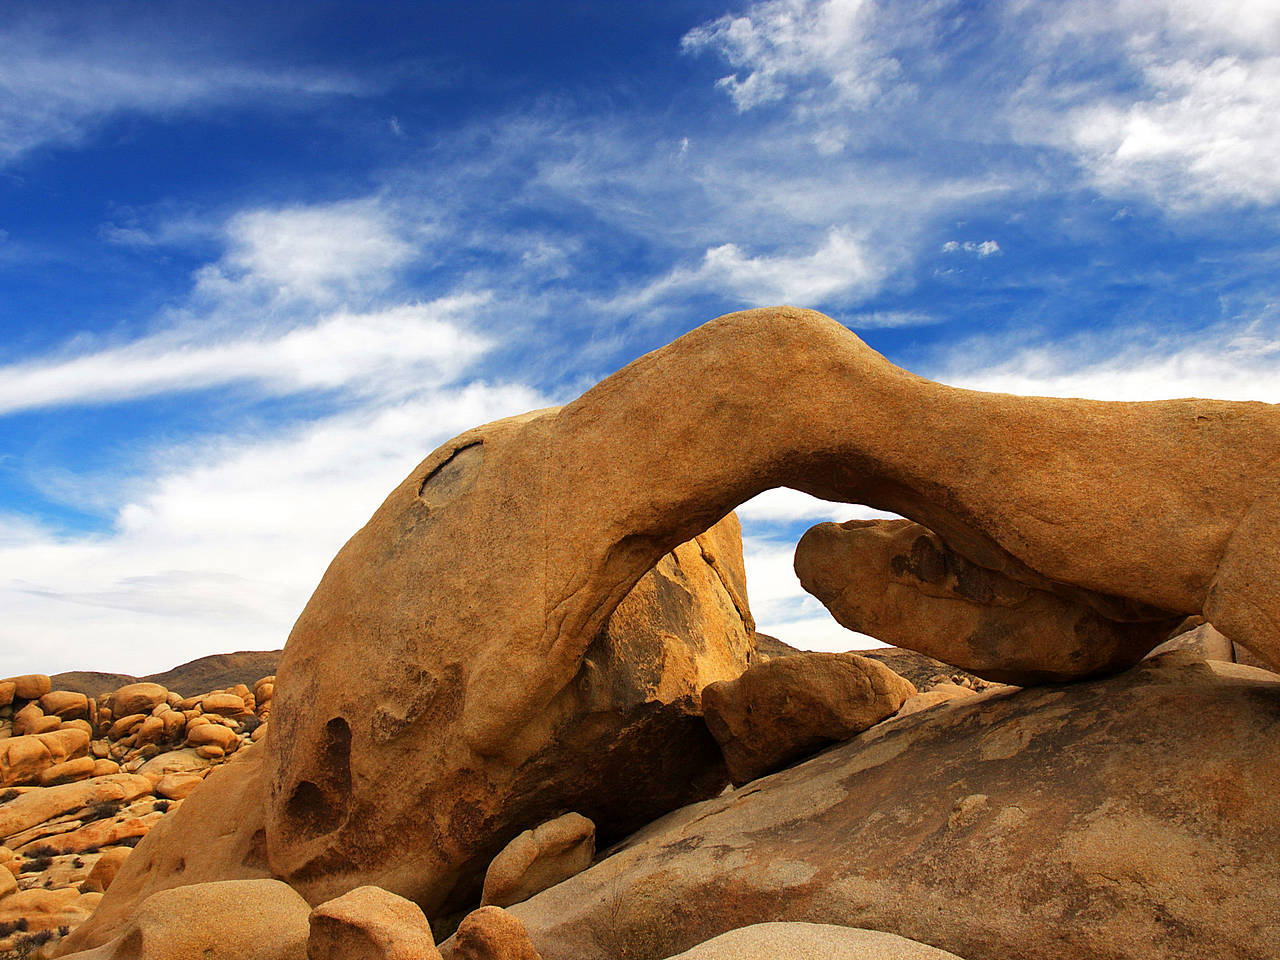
{"x": 83, "y": 779}
{"x": 219, "y": 671}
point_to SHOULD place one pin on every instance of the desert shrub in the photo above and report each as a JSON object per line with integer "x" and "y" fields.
{"x": 161, "y": 806}
{"x": 101, "y": 810}
{"x": 37, "y": 864}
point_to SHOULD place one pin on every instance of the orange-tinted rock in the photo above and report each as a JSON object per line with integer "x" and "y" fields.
{"x": 138, "y": 698}
{"x": 105, "y": 869}
{"x": 900, "y": 583}
{"x": 820, "y": 941}
{"x": 215, "y": 834}
{"x": 370, "y": 923}
{"x": 30, "y": 686}
{"x": 65, "y": 704}
{"x": 125, "y": 725}
{"x": 539, "y": 858}
{"x": 178, "y": 786}
{"x": 7, "y": 690}
{"x": 81, "y": 768}
{"x": 23, "y": 759}
{"x": 977, "y": 828}
{"x": 37, "y": 806}
{"x": 491, "y": 933}
{"x": 46, "y": 909}
{"x": 225, "y": 704}
{"x": 210, "y": 734}
{"x": 785, "y": 709}
{"x": 95, "y": 835}
{"x": 231, "y": 920}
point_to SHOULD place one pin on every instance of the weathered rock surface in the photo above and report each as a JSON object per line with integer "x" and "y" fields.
{"x": 539, "y": 858}
{"x": 137, "y": 698}
{"x": 24, "y": 758}
{"x": 785, "y": 709}
{"x": 1204, "y": 640}
{"x": 230, "y": 920}
{"x": 899, "y": 582}
{"x": 592, "y": 735}
{"x": 1137, "y": 511}
{"x": 811, "y": 941}
{"x": 370, "y": 923}
{"x": 977, "y": 828}
{"x": 491, "y": 933}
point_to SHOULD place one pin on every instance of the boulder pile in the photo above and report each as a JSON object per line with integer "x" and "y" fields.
{"x": 83, "y": 780}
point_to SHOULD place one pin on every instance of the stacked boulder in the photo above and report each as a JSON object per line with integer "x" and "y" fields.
{"x": 83, "y": 780}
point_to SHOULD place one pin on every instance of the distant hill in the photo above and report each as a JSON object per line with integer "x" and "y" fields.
{"x": 921, "y": 670}
{"x": 199, "y": 676}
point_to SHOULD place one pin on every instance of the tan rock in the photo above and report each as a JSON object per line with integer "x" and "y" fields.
{"x": 939, "y": 694}
{"x": 901, "y": 583}
{"x": 178, "y": 786}
{"x": 491, "y": 933}
{"x": 210, "y": 751}
{"x": 138, "y": 698}
{"x": 210, "y": 734}
{"x": 105, "y": 869}
{"x": 22, "y": 759}
{"x": 104, "y": 768}
{"x": 65, "y": 704}
{"x": 68, "y": 771}
{"x": 150, "y": 730}
{"x": 540, "y": 858}
{"x": 215, "y": 834}
{"x": 27, "y": 720}
{"x": 37, "y": 806}
{"x": 46, "y": 909}
{"x": 124, "y": 726}
{"x": 95, "y": 835}
{"x": 224, "y": 704}
{"x": 1202, "y": 639}
{"x": 231, "y": 920}
{"x": 788, "y": 708}
{"x": 370, "y": 923}
{"x": 7, "y": 690}
{"x": 8, "y": 883}
{"x": 811, "y": 941}
{"x": 978, "y": 827}
{"x": 185, "y": 760}
{"x": 31, "y": 686}
{"x": 399, "y": 662}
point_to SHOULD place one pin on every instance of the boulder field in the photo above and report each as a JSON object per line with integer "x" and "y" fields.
{"x": 526, "y": 626}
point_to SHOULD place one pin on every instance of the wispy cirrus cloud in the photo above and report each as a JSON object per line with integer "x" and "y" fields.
{"x": 59, "y": 82}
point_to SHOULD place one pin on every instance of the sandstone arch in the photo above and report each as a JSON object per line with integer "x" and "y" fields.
{"x": 446, "y": 634}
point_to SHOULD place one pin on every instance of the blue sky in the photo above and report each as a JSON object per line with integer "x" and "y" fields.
{"x": 256, "y": 260}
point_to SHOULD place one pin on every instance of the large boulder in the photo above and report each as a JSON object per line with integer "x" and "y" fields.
{"x": 784, "y": 709}
{"x": 24, "y": 758}
{"x": 370, "y": 923}
{"x": 539, "y": 858}
{"x": 229, "y": 920}
{"x": 811, "y": 941}
{"x": 901, "y": 583}
{"x": 620, "y": 739}
{"x": 1127, "y": 817}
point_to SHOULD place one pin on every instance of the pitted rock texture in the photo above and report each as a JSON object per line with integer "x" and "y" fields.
{"x": 491, "y": 933}
{"x": 229, "y": 920}
{"x": 811, "y": 941}
{"x": 1108, "y": 812}
{"x": 370, "y": 923}
{"x": 788, "y": 708}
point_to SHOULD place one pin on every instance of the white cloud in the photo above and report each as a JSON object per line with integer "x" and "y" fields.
{"x": 316, "y": 252}
{"x": 984, "y": 248}
{"x": 220, "y": 549}
{"x": 56, "y": 90}
{"x": 399, "y": 349}
{"x": 780, "y": 47}
{"x": 1195, "y": 123}
{"x": 844, "y": 266}
{"x": 1240, "y": 365}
